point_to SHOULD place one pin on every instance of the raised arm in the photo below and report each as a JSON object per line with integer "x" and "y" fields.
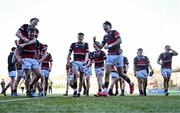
{"x": 174, "y": 52}
{"x": 98, "y": 44}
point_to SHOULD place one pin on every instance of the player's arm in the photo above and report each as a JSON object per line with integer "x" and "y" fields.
{"x": 134, "y": 67}
{"x": 29, "y": 42}
{"x": 159, "y": 60}
{"x": 149, "y": 65}
{"x": 14, "y": 59}
{"x": 50, "y": 66}
{"x": 19, "y": 35}
{"x": 69, "y": 58}
{"x": 99, "y": 45}
{"x": 174, "y": 52}
{"x": 18, "y": 57}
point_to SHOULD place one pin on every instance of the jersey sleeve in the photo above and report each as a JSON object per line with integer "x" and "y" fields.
{"x": 160, "y": 57}
{"x": 50, "y": 57}
{"x": 104, "y": 40}
{"x": 116, "y": 34}
{"x": 23, "y": 27}
{"x": 71, "y": 47}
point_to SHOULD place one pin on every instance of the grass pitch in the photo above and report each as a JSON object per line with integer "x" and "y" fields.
{"x": 112, "y": 104}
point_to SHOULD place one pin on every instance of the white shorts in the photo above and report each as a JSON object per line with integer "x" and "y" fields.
{"x": 116, "y": 60}
{"x": 141, "y": 74}
{"x": 166, "y": 72}
{"x": 44, "y": 73}
{"x": 78, "y": 65}
{"x": 70, "y": 77}
{"x": 20, "y": 73}
{"x": 115, "y": 75}
{"x": 88, "y": 71}
{"x": 12, "y": 74}
{"x": 99, "y": 71}
{"x": 30, "y": 63}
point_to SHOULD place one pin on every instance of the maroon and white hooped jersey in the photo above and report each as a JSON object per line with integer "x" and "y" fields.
{"x": 25, "y": 28}
{"x": 98, "y": 57}
{"x": 30, "y": 51}
{"x": 110, "y": 38}
{"x": 46, "y": 61}
{"x": 141, "y": 63}
{"x": 166, "y": 59}
{"x": 79, "y": 49}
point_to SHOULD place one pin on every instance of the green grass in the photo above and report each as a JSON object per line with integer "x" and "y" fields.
{"x": 58, "y": 104}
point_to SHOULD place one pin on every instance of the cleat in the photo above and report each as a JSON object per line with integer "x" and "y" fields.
{"x": 104, "y": 93}
{"x": 78, "y": 95}
{"x": 110, "y": 92}
{"x": 75, "y": 94}
{"x": 65, "y": 94}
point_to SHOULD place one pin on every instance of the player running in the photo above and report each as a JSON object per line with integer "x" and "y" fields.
{"x": 46, "y": 67}
{"x": 141, "y": 66}
{"x": 80, "y": 50}
{"x": 98, "y": 57}
{"x": 165, "y": 60}
{"x": 114, "y": 57}
{"x": 70, "y": 78}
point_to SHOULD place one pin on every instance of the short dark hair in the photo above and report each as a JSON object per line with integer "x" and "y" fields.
{"x": 13, "y": 48}
{"x": 34, "y": 19}
{"x": 167, "y": 46}
{"x": 108, "y": 23}
{"x": 140, "y": 49}
{"x": 80, "y": 33}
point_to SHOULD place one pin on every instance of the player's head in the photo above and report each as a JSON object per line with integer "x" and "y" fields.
{"x": 80, "y": 37}
{"x": 167, "y": 48}
{"x": 95, "y": 46}
{"x": 140, "y": 52}
{"x": 107, "y": 26}
{"x": 31, "y": 33}
{"x": 34, "y": 21}
{"x": 13, "y": 49}
{"x": 45, "y": 46}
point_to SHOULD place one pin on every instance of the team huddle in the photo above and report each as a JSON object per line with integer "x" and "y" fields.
{"x": 31, "y": 61}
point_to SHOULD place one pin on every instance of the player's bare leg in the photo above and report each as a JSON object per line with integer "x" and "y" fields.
{"x": 126, "y": 78}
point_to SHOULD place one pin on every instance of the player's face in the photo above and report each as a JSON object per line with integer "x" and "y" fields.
{"x": 31, "y": 34}
{"x": 106, "y": 27}
{"x": 95, "y": 47}
{"x": 80, "y": 38}
{"x": 140, "y": 53}
{"x": 167, "y": 49}
{"x": 34, "y": 22}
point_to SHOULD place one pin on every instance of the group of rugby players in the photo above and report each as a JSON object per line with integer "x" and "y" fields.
{"x": 29, "y": 60}
{"x": 116, "y": 65}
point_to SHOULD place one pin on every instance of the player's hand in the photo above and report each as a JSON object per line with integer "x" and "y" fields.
{"x": 20, "y": 61}
{"x": 49, "y": 70}
{"x": 107, "y": 46}
{"x": 94, "y": 39}
{"x": 21, "y": 45}
{"x": 25, "y": 40}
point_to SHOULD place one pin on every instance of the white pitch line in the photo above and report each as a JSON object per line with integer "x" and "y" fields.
{"x": 19, "y": 99}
